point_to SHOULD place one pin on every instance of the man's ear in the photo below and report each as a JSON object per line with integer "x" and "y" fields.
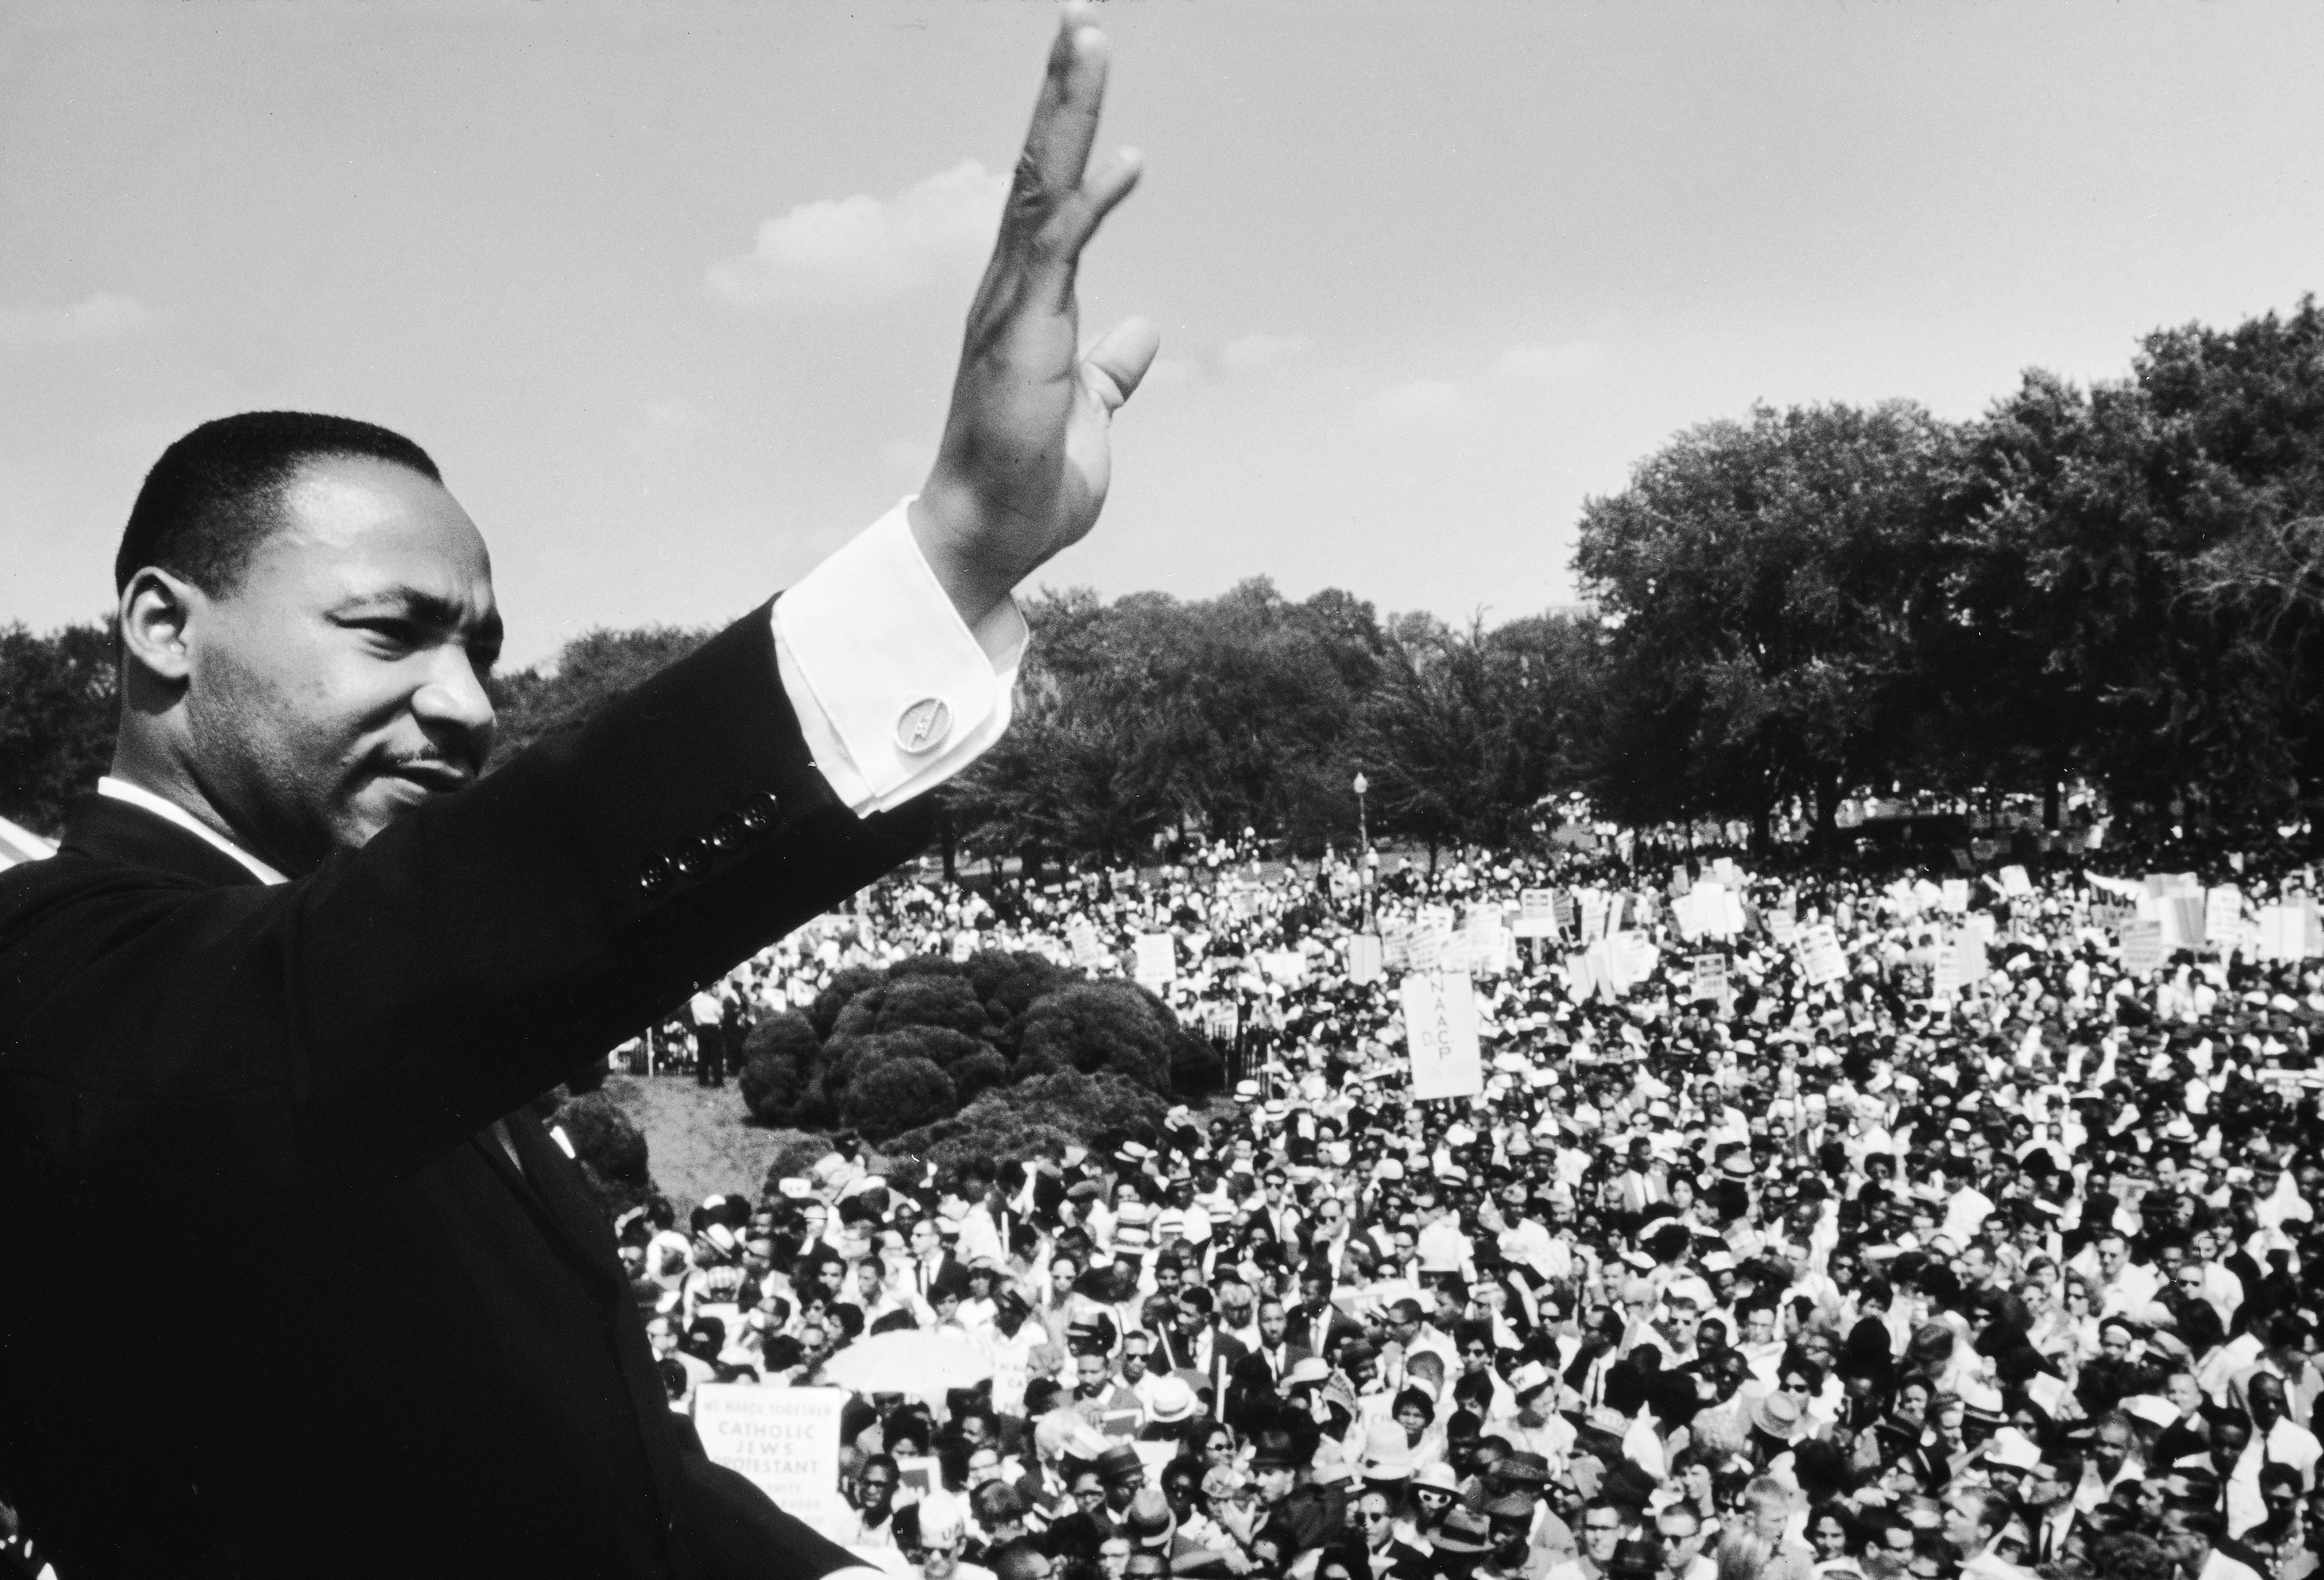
{"x": 157, "y": 608}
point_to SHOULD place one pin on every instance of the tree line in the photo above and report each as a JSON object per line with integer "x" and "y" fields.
{"x": 2119, "y": 584}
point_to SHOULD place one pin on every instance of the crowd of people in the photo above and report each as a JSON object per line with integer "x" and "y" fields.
{"x": 1949, "y": 1242}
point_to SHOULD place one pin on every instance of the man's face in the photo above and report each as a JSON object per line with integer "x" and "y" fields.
{"x": 1272, "y": 1323}
{"x": 1133, "y": 1361}
{"x": 2266, "y": 1395}
{"x": 1961, "y": 1524}
{"x": 341, "y": 683}
{"x": 1089, "y": 1370}
{"x": 2113, "y": 1448}
{"x": 1061, "y": 1278}
{"x": 874, "y": 1488}
{"x": 2111, "y": 1252}
{"x": 1682, "y": 1537}
{"x": 1601, "y": 1532}
{"x": 924, "y": 1239}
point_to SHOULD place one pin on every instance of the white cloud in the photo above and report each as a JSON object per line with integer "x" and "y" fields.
{"x": 1250, "y": 351}
{"x": 1424, "y": 402}
{"x": 1542, "y": 363}
{"x": 849, "y": 252}
{"x": 102, "y": 315}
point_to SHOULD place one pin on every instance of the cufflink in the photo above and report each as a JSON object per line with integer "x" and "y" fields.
{"x": 654, "y": 876}
{"x": 924, "y": 725}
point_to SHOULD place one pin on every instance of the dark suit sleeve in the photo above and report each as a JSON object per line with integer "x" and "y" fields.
{"x": 267, "y": 1044}
{"x": 734, "y": 1530}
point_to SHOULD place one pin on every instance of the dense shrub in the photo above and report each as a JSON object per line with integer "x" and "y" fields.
{"x": 1094, "y": 1026}
{"x": 947, "y": 1002}
{"x": 978, "y": 1073}
{"x": 795, "y": 1152}
{"x": 844, "y": 986}
{"x": 897, "y": 1093}
{"x": 1009, "y": 980}
{"x": 781, "y": 1058}
{"x": 982, "y": 1058}
{"x": 1038, "y": 1117}
{"x": 610, "y": 1150}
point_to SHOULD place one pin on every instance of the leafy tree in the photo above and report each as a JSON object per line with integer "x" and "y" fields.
{"x": 59, "y": 703}
{"x": 1468, "y": 731}
{"x": 591, "y": 670}
{"x": 1757, "y": 581}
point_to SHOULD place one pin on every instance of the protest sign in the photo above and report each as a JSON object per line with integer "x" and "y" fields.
{"x": 2015, "y": 883}
{"x": 1710, "y": 977}
{"x": 1157, "y": 959}
{"x": 1633, "y": 957}
{"x": 1488, "y": 944}
{"x": 964, "y": 945}
{"x": 2223, "y": 913}
{"x": 785, "y": 1441}
{"x": 2142, "y": 946}
{"x": 1562, "y": 905}
{"x": 1365, "y": 959}
{"x": 1440, "y": 1024}
{"x": 1947, "y": 974}
{"x": 1953, "y": 895}
{"x": 2181, "y": 915}
{"x": 1081, "y": 937}
{"x": 1820, "y": 960}
{"x": 1395, "y": 945}
{"x": 1536, "y": 914}
{"x": 1597, "y": 914}
{"x": 1220, "y": 1021}
{"x": 2110, "y": 915}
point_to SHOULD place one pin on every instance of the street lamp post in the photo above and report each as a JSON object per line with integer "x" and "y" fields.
{"x": 1363, "y": 833}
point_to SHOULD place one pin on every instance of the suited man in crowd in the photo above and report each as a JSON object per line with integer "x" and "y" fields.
{"x": 273, "y": 1010}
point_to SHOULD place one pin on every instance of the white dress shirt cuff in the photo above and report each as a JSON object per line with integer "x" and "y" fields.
{"x": 894, "y": 693}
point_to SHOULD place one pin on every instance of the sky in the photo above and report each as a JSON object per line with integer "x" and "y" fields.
{"x": 672, "y": 292}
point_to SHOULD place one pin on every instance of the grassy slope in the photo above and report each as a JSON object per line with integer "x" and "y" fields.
{"x": 698, "y": 1142}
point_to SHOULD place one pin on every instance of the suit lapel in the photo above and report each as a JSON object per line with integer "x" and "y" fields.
{"x": 552, "y": 1182}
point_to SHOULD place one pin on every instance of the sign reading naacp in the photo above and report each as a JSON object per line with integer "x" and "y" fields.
{"x": 1439, "y": 1027}
{"x": 785, "y": 1441}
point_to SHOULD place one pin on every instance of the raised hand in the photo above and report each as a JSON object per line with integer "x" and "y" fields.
{"x": 1022, "y": 469}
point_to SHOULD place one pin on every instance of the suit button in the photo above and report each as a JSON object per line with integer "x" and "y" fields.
{"x": 655, "y": 875}
{"x": 758, "y": 811}
{"x": 727, "y": 832}
{"x": 694, "y": 858}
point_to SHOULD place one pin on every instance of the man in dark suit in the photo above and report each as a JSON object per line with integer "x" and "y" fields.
{"x": 269, "y": 1018}
{"x": 1254, "y": 1382}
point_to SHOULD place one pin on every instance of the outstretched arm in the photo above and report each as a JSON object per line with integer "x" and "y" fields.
{"x": 1022, "y": 468}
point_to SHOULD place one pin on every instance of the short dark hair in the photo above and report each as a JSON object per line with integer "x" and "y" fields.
{"x": 216, "y": 493}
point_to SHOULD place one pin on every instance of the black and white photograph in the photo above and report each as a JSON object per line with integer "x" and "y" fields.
{"x": 1150, "y": 790}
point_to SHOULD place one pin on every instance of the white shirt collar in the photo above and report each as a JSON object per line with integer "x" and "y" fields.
{"x": 121, "y": 789}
